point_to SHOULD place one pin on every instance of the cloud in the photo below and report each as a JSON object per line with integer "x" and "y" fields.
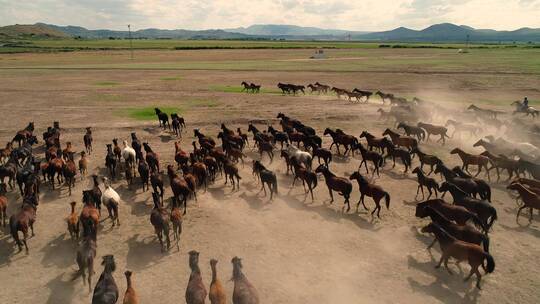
{"x": 203, "y": 14}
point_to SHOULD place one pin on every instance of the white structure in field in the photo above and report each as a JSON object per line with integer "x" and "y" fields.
{"x": 319, "y": 54}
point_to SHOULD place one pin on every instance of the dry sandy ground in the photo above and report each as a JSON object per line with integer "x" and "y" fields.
{"x": 294, "y": 250}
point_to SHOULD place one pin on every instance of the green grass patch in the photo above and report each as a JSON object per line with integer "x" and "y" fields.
{"x": 147, "y": 113}
{"x": 173, "y": 78}
{"x": 238, "y": 89}
{"x": 106, "y": 83}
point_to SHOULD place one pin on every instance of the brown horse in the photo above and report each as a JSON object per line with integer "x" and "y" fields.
{"x": 372, "y": 141}
{"x": 176, "y": 220}
{"x": 376, "y": 158}
{"x": 86, "y": 253}
{"x": 69, "y": 171}
{"x": 24, "y": 219}
{"x": 83, "y": 165}
{"x": 195, "y": 291}
{"x": 244, "y": 292}
{"x": 179, "y": 187}
{"x": 435, "y": 130}
{"x": 6, "y": 152}
{"x": 470, "y": 159}
{"x": 455, "y": 213}
{"x": 217, "y": 291}
{"x": 401, "y": 141}
{"x": 73, "y": 222}
{"x": 374, "y": 191}
{"x": 530, "y": 199}
{"x": 334, "y": 183}
{"x": 504, "y": 163}
{"x": 87, "y": 139}
{"x": 426, "y": 159}
{"x": 461, "y": 251}
{"x": 306, "y": 176}
{"x": 159, "y": 218}
{"x": 3, "y": 204}
{"x": 340, "y": 138}
{"x": 231, "y": 172}
{"x": 89, "y": 217}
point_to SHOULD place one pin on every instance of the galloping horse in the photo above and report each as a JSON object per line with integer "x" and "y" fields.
{"x": 525, "y": 110}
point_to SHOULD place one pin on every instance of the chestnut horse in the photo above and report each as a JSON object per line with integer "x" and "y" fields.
{"x": 470, "y": 159}
{"x": 24, "y": 219}
{"x": 530, "y": 199}
{"x": 334, "y": 183}
{"x": 461, "y": 251}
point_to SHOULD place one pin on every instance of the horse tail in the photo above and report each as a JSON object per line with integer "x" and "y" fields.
{"x": 485, "y": 242}
{"x": 493, "y": 218}
{"x": 14, "y": 231}
{"x": 476, "y": 220}
{"x": 490, "y": 262}
{"x": 387, "y": 199}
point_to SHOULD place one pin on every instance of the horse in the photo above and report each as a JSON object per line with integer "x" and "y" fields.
{"x": 163, "y": 118}
{"x": 374, "y": 191}
{"x": 466, "y": 183}
{"x": 179, "y": 187}
{"x": 195, "y": 291}
{"x": 244, "y": 292}
{"x": 323, "y": 153}
{"x": 152, "y": 158}
{"x": 502, "y": 162}
{"x": 106, "y": 290}
{"x": 435, "y": 130}
{"x": 309, "y": 177}
{"x": 373, "y": 141}
{"x": 424, "y": 181}
{"x": 340, "y": 138}
{"x": 412, "y": 130}
{"x": 111, "y": 200}
{"x": 89, "y": 217}
{"x": 470, "y": 159}
{"x": 87, "y": 139}
{"x": 86, "y": 253}
{"x": 530, "y": 199}
{"x": 484, "y": 112}
{"x": 525, "y": 110}
{"x": 129, "y": 155}
{"x": 460, "y": 127}
{"x": 267, "y": 177}
{"x": 455, "y": 213}
{"x": 361, "y": 93}
{"x": 401, "y": 141}
{"x": 159, "y": 218}
{"x": 231, "y": 172}
{"x": 178, "y": 124}
{"x": 527, "y": 166}
{"x": 464, "y": 233}
{"x": 24, "y": 219}
{"x": 3, "y": 204}
{"x": 483, "y": 209}
{"x": 300, "y": 156}
{"x": 384, "y": 96}
{"x": 69, "y": 170}
{"x": 452, "y": 247}
{"x": 426, "y": 159}
{"x": 282, "y": 137}
{"x": 403, "y": 154}
{"x": 376, "y": 158}
{"x": 110, "y": 161}
{"x": 334, "y": 183}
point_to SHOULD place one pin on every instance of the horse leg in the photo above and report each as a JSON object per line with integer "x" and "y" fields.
{"x": 531, "y": 214}
{"x": 432, "y": 243}
{"x": 417, "y": 191}
{"x": 519, "y": 211}
{"x": 331, "y": 195}
{"x": 478, "y": 278}
{"x": 446, "y": 266}
{"x": 25, "y": 236}
{"x": 479, "y": 170}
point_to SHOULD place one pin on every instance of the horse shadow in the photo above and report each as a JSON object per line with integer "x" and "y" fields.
{"x": 8, "y": 250}
{"x": 333, "y": 215}
{"x": 254, "y": 201}
{"x": 395, "y": 175}
{"x": 341, "y": 159}
{"x": 144, "y": 252}
{"x": 167, "y": 138}
{"x": 153, "y": 130}
{"x": 446, "y": 290}
{"x": 54, "y": 252}
{"x": 61, "y": 291}
{"x": 523, "y": 228}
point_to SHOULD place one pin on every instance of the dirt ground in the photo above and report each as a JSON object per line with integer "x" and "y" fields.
{"x": 293, "y": 250}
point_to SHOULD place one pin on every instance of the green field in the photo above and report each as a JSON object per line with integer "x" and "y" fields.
{"x": 59, "y": 45}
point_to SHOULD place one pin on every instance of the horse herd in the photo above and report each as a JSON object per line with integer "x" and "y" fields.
{"x": 299, "y": 145}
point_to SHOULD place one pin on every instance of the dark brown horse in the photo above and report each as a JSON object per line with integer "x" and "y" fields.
{"x": 24, "y": 219}
{"x": 374, "y": 191}
{"x": 306, "y": 176}
{"x": 530, "y": 199}
{"x": 334, "y": 183}
{"x": 159, "y": 218}
{"x": 470, "y": 159}
{"x": 435, "y": 130}
{"x": 179, "y": 187}
{"x": 401, "y": 141}
{"x": 424, "y": 181}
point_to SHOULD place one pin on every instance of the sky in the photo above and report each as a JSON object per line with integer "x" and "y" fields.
{"x": 361, "y": 15}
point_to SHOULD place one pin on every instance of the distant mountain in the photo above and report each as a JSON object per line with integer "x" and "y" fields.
{"x": 289, "y": 30}
{"x": 448, "y": 32}
{"x": 444, "y": 32}
{"x": 30, "y": 31}
{"x": 75, "y": 31}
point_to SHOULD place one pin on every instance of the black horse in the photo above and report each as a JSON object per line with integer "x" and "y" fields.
{"x": 163, "y": 118}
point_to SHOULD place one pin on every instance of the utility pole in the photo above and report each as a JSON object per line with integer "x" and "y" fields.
{"x": 130, "y": 41}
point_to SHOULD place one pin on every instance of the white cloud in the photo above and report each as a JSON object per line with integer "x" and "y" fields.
{"x": 201, "y": 14}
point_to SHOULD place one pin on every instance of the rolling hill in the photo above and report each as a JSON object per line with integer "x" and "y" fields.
{"x": 445, "y": 32}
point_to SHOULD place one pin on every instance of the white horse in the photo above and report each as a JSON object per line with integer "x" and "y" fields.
{"x": 300, "y": 156}
{"x": 520, "y": 108}
{"x": 111, "y": 200}
{"x": 128, "y": 153}
{"x": 523, "y": 147}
